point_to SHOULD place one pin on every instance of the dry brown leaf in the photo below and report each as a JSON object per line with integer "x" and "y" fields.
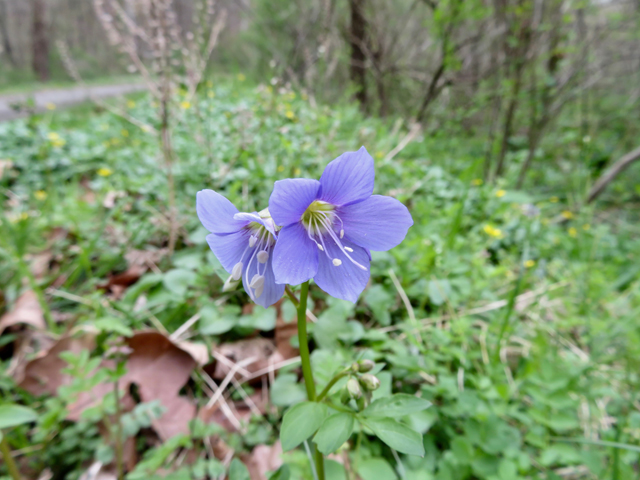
{"x": 261, "y": 350}
{"x": 198, "y": 351}
{"x": 139, "y": 261}
{"x": 111, "y": 197}
{"x": 263, "y": 459}
{"x": 26, "y": 310}
{"x": 160, "y": 369}
{"x": 40, "y": 262}
{"x": 43, "y": 375}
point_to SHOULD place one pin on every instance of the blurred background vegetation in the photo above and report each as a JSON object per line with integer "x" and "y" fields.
{"x": 510, "y": 128}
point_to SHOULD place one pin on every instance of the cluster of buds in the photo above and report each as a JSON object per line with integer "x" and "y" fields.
{"x": 361, "y": 384}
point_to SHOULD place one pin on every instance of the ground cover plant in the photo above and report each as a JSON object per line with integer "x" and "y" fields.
{"x": 512, "y": 315}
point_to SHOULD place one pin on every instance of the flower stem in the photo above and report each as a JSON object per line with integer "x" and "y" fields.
{"x": 8, "y": 458}
{"x": 332, "y": 382}
{"x": 306, "y": 365}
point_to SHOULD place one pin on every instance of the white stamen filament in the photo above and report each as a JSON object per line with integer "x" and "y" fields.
{"x": 259, "y": 287}
{"x": 263, "y": 256}
{"x": 325, "y": 223}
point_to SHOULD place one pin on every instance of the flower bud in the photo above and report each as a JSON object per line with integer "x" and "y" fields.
{"x": 365, "y": 366}
{"x": 230, "y": 284}
{"x": 354, "y": 388}
{"x": 370, "y": 382}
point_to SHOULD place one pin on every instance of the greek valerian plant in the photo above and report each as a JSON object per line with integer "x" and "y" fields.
{"x": 322, "y": 230}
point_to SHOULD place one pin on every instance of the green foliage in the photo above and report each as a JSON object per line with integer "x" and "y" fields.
{"x": 565, "y": 368}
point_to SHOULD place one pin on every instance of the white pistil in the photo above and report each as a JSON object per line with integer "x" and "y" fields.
{"x": 337, "y": 262}
{"x": 349, "y": 249}
{"x": 320, "y": 247}
{"x": 236, "y": 273}
{"x": 263, "y": 256}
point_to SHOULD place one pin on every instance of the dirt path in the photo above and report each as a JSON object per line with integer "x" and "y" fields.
{"x": 63, "y": 97}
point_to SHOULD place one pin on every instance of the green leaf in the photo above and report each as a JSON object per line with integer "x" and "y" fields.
{"x": 287, "y": 391}
{"x": 178, "y": 280}
{"x": 12, "y": 415}
{"x": 213, "y": 322}
{"x": 397, "y": 436}
{"x": 334, "y": 432}
{"x": 283, "y": 473}
{"x": 397, "y": 405}
{"x": 238, "y": 471}
{"x": 300, "y": 422}
{"x": 376, "y": 469}
{"x": 112, "y": 325}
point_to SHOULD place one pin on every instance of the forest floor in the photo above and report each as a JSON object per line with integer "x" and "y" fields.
{"x": 19, "y": 105}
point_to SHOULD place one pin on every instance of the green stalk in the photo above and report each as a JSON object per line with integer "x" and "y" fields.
{"x": 305, "y": 359}
{"x": 8, "y": 458}
{"x": 332, "y": 382}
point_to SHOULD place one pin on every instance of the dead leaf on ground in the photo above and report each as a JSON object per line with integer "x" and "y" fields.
{"x": 43, "y": 375}
{"x": 111, "y": 197}
{"x": 160, "y": 369}
{"x": 263, "y": 459}
{"x": 262, "y": 350}
{"x": 26, "y": 311}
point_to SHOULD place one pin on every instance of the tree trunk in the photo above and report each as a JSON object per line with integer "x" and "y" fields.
{"x": 40, "y": 40}
{"x": 4, "y": 32}
{"x": 357, "y": 41}
{"x": 508, "y": 120}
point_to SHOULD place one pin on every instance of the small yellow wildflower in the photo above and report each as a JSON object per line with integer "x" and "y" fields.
{"x": 53, "y": 136}
{"x": 280, "y": 168}
{"x": 492, "y": 231}
{"x": 40, "y": 194}
{"x": 124, "y": 133}
{"x": 292, "y": 95}
{"x": 209, "y": 83}
{"x": 24, "y": 216}
{"x": 379, "y": 154}
{"x": 211, "y": 94}
{"x": 297, "y": 171}
{"x": 586, "y": 227}
{"x": 567, "y": 214}
{"x": 545, "y": 221}
{"x": 290, "y": 115}
{"x": 241, "y": 77}
{"x": 477, "y": 182}
{"x": 501, "y": 193}
{"x": 185, "y": 105}
{"x": 573, "y": 232}
{"x": 131, "y": 104}
{"x": 50, "y": 106}
{"x": 529, "y": 263}
{"x": 105, "y": 172}
{"x": 554, "y": 199}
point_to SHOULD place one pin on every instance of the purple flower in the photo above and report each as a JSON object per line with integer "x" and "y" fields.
{"x": 329, "y": 226}
{"x": 243, "y": 242}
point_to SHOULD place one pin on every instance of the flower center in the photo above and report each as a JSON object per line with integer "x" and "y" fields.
{"x": 320, "y": 220}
